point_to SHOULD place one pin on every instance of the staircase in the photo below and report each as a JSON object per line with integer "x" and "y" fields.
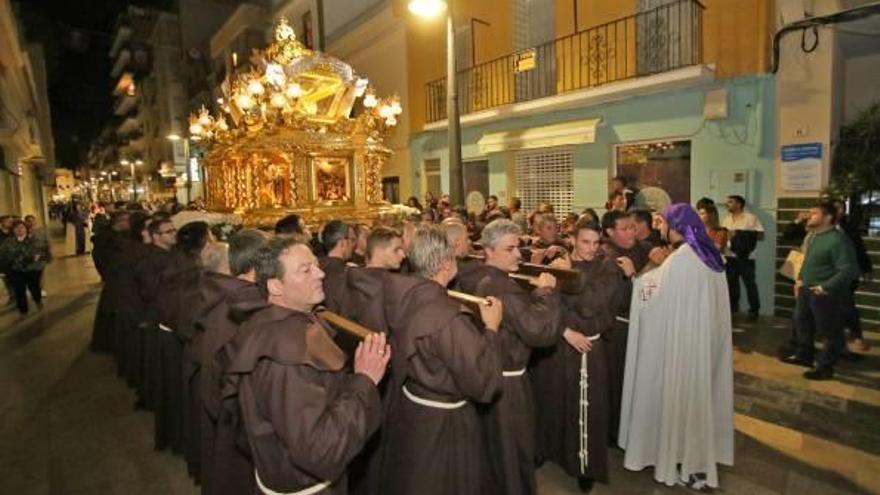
{"x": 830, "y": 425}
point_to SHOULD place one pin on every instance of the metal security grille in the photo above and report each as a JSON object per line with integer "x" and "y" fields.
{"x": 545, "y": 175}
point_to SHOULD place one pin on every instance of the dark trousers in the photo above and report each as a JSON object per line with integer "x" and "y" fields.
{"x": 22, "y": 282}
{"x": 851, "y": 318}
{"x": 742, "y": 269}
{"x": 615, "y": 359}
{"x": 820, "y": 316}
{"x": 80, "y": 239}
{"x": 7, "y": 282}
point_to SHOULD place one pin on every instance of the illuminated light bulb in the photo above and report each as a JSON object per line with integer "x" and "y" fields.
{"x": 391, "y": 121}
{"x": 360, "y": 87}
{"x": 293, "y": 91}
{"x": 222, "y": 125}
{"x": 385, "y": 112}
{"x": 278, "y": 101}
{"x": 370, "y": 100}
{"x": 205, "y": 119}
{"x": 396, "y": 109}
{"x": 244, "y": 101}
{"x": 427, "y": 8}
{"x": 255, "y": 87}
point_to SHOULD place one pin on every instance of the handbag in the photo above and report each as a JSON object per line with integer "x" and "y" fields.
{"x": 791, "y": 267}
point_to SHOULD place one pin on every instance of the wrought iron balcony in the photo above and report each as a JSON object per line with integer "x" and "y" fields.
{"x": 662, "y": 39}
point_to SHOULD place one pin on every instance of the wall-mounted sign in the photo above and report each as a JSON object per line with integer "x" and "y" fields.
{"x": 802, "y": 167}
{"x": 525, "y": 60}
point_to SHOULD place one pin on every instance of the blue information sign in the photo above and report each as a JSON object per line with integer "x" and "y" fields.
{"x": 793, "y": 152}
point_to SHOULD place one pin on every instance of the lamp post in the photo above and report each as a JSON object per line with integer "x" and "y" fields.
{"x": 429, "y": 9}
{"x": 134, "y": 188}
{"x": 130, "y": 163}
{"x": 176, "y": 137}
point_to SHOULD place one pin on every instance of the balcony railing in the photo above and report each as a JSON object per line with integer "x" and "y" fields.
{"x": 658, "y": 40}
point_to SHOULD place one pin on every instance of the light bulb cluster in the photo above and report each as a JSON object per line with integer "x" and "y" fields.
{"x": 389, "y": 109}
{"x": 205, "y": 126}
{"x": 282, "y": 90}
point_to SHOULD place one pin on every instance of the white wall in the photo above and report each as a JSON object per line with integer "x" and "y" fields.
{"x": 338, "y": 13}
{"x": 376, "y": 49}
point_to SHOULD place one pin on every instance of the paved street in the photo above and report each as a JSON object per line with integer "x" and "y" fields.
{"x": 67, "y": 425}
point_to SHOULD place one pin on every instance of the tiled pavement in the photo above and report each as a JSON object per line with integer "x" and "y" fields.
{"x": 67, "y": 424}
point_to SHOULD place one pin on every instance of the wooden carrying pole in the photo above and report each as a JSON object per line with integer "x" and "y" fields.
{"x": 467, "y": 298}
{"x": 345, "y": 324}
{"x": 569, "y": 281}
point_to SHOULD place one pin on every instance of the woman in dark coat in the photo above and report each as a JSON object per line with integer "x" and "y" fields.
{"x": 26, "y": 257}
{"x": 570, "y": 378}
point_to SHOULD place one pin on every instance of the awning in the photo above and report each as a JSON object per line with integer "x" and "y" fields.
{"x": 567, "y": 133}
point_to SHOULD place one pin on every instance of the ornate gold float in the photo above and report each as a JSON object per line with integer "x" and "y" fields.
{"x": 291, "y": 139}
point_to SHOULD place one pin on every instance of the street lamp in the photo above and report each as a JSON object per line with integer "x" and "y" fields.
{"x": 430, "y": 9}
{"x": 174, "y": 137}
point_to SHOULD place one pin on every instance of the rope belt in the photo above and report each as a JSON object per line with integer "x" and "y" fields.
{"x": 584, "y": 411}
{"x": 307, "y": 491}
{"x": 621, "y": 319}
{"x": 432, "y": 403}
{"x": 514, "y": 373}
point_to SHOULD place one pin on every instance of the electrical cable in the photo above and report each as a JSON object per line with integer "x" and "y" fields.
{"x": 815, "y": 40}
{"x": 814, "y": 23}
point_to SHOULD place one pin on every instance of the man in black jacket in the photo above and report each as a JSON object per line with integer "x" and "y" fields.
{"x": 852, "y": 320}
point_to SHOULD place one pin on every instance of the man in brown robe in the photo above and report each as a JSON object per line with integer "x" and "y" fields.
{"x": 337, "y": 237}
{"x": 226, "y": 469}
{"x": 548, "y": 246}
{"x": 457, "y": 237}
{"x": 631, "y": 257}
{"x": 530, "y": 320}
{"x": 443, "y": 363}
{"x": 365, "y": 299}
{"x": 571, "y": 378}
{"x": 130, "y": 307}
{"x": 365, "y": 304}
{"x": 359, "y": 255}
{"x": 179, "y": 304}
{"x": 304, "y": 416}
{"x": 106, "y": 255}
{"x": 155, "y": 260}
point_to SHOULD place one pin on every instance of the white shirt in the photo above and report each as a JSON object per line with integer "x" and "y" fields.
{"x": 744, "y": 221}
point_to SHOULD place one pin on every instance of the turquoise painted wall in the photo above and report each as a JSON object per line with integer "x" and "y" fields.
{"x": 743, "y": 141}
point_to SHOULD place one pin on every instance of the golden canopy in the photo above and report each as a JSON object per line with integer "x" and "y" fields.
{"x": 291, "y": 140}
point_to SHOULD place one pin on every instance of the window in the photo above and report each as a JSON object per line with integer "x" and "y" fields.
{"x": 391, "y": 189}
{"x": 308, "y": 33}
{"x": 545, "y": 175}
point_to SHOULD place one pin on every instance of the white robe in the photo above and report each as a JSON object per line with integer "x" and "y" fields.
{"x": 677, "y": 405}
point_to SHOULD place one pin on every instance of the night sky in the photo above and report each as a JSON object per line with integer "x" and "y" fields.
{"x": 76, "y": 36}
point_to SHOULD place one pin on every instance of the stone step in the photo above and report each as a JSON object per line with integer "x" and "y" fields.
{"x": 844, "y": 410}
